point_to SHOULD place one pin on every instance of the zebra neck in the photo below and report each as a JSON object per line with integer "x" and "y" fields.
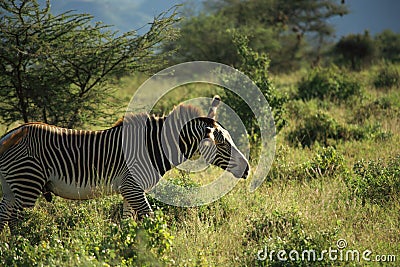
{"x": 190, "y": 137}
{"x": 156, "y": 147}
{"x": 170, "y": 144}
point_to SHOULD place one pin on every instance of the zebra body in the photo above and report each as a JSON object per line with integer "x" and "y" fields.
{"x": 71, "y": 162}
{"x": 128, "y": 158}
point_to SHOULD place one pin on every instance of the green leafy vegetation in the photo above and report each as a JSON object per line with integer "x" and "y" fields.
{"x": 387, "y": 77}
{"x": 356, "y": 50}
{"x": 329, "y": 83}
{"x": 322, "y": 128}
{"x": 60, "y": 69}
{"x": 78, "y": 234}
{"x": 284, "y": 230}
{"x": 277, "y": 27}
{"x": 336, "y": 169}
{"x": 256, "y": 66}
{"x": 376, "y": 181}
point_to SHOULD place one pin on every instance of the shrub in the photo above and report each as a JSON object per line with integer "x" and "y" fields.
{"x": 356, "y": 50}
{"x": 375, "y": 181}
{"x": 317, "y": 127}
{"x": 387, "y": 77}
{"x": 286, "y": 231}
{"x": 326, "y": 162}
{"x": 388, "y": 43}
{"x": 283, "y": 168}
{"x": 328, "y": 83}
{"x": 382, "y": 106}
{"x": 57, "y": 235}
{"x": 174, "y": 189}
{"x": 299, "y": 109}
{"x": 324, "y": 129}
{"x": 256, "y": 66}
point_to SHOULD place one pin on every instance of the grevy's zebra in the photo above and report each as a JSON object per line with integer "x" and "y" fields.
{"x": 39, "y": 158}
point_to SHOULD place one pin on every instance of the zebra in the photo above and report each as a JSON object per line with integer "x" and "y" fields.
{"x": 38, "y": 158}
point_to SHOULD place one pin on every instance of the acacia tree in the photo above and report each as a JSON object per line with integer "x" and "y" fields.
{"x": 283, "y": 29}
{"x": 57, "y": 68}
{"x": 356, "y": 50}
{"x": 388, "y": 44}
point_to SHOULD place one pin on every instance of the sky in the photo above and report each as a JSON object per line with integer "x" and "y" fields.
{"x": 125, "y": 15}
{"x": 372, "y": 15}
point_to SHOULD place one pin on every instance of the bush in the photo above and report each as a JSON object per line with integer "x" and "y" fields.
{"x": 387, "y": 77}
{"x": 356, "y": 50}
{"x": 388, "y": 43}
{"x": 328, "y": 83}
{"x": 326, "y": 162}
{"x": 256, "y": 66}
{"x": 319, "y": 127}
{"x": 383, "y": 106}
{"x": 375, "y": 181}
{"x": 324, "y": 129}
{"x": 286, "y": 231}
{"x": 57, "y": 235}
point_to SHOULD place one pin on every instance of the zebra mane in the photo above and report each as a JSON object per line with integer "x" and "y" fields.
{"x": 12, "y": 138}
{"x": 179, "y": 112}
{"x": 185, "y": 111}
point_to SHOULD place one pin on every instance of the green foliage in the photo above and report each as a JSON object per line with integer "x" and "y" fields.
{"x": 382, "y": 107}
{"x": 203, "y": 37}
{"x": 376, "y": 181}
{"x": 356, "y": 50}
{"x": 326, "y": 162}
{"x": 321, "y": 127}
{"x": 176, "y": 186}
{"x": 277, "y": 27}
{"x": 388, "y": 43}
{"x": 328, "y": 83}
{"x": 387, "y": 77}
{"x": 59, "y": 235}
{"x": 285, "y": 230}
{"x": 57, "y": 68}
{"x": 255, "y": 66}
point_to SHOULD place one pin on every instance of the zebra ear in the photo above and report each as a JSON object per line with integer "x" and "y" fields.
{"x": 214, "y": 106}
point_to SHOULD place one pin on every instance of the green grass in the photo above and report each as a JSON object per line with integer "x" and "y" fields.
{"x": 306, "y": 202}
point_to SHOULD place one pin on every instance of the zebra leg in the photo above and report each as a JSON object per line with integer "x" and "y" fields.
{"x": 15, "y": 218}
{"x": 6, "y": 210}
{"x": 7, "y": 204}
{"x": 25, "y": 184}
{"x": 135, "y": 202}
{"x": 127, "y": 211}
{"x": 46, "y": 192}
{"x": 21, "y": 202}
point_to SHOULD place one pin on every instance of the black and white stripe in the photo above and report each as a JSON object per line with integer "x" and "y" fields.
{"x": 128, "y": 158}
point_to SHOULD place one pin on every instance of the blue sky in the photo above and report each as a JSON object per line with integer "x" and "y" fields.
{"x": 374, "y": 15}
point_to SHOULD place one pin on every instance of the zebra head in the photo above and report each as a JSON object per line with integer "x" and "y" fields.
{"x": 217, "y": 146}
